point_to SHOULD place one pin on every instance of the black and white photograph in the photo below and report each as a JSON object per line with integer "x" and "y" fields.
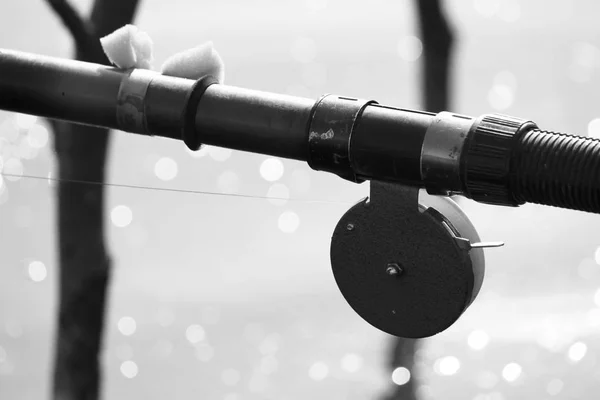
{"x": 299, "y": 199}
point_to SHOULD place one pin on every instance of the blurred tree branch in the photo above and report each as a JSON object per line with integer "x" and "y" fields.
{"x": 437, "y": 39}
{"x": 79, "y": 29}
{"x": 84, "y": 262}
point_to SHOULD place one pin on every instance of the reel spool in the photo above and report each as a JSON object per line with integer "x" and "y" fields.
{"x": 408, "y": 266}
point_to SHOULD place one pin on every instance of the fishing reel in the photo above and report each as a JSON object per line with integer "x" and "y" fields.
{"x": 408, "y": 263}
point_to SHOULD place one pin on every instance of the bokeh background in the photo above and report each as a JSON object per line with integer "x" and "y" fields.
{"x": 222, "y": 297}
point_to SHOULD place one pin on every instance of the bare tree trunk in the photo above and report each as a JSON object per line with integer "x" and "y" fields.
{"x": 437, "y": 39}
{"x": 84, "y": 261}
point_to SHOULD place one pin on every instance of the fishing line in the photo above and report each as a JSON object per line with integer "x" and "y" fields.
{"x": 187, "y": 191}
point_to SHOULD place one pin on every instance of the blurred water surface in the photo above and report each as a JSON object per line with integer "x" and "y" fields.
{"x": 219, "y": 297}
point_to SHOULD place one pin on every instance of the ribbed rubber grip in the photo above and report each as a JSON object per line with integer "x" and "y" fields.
{"x": 486, "y": 163}
{"x": 556, "y": 169}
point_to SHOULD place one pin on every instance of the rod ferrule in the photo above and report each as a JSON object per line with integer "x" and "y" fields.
{"x": 131, "y": 110}
{"x": 440, "y": 155}
{"x": 332, "y": 122}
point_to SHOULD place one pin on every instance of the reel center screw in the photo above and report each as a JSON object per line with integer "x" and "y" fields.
{"x": 393, "y": 269}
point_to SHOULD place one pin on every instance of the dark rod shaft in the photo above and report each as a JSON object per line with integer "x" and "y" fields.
{"x": 254, "y": 121}
{"x": 60, "y": 89}
{"x": 84, "y": 93}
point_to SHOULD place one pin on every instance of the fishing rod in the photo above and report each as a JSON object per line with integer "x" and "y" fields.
{"x": 410, "y": 265}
